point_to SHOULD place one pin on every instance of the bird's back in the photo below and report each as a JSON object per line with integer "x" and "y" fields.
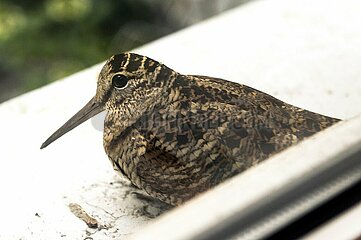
{"x": 250, "y": 125}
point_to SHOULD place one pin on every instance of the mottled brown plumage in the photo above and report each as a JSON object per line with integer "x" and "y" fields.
{"x": 175, "y": 136}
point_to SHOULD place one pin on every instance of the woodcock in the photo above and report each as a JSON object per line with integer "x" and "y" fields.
{"x": 176, "y": 135}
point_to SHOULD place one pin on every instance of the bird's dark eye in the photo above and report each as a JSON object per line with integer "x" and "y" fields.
{"x": 119, "y": 81}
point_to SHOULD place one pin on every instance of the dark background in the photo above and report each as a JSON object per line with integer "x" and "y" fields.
{"x": 42, "y": 41}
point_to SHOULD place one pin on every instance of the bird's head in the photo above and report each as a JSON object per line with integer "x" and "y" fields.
{"x": 130, "y": 82}
{"x": 128, "y": 85}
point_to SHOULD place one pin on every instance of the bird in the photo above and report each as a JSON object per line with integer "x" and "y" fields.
{"x": 175, "y": 136}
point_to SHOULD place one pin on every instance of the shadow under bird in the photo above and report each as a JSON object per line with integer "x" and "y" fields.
{"x": 175, "y": 135}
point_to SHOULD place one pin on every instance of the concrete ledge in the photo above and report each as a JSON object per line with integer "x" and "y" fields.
{"x": 297, "y": 51}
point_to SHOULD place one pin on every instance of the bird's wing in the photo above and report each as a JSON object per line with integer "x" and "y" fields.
{"x": 267, "y": 110}
{"x": 256, "y": 124}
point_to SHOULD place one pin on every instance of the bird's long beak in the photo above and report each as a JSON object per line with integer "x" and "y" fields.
{"x": 91, "y": 109}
